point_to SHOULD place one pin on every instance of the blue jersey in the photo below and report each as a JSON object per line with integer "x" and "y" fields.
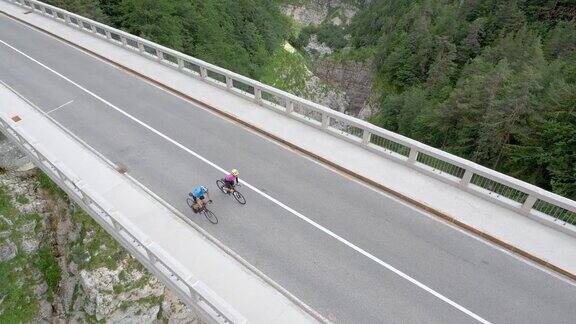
{"x": 199, "y": 191}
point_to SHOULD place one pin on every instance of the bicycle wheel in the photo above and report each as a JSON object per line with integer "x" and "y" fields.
{"x": 220, "y": 185}
{"x": 190, "y": 202}
{"x": 239, "y": 197}
{"x": 210, "y": 216}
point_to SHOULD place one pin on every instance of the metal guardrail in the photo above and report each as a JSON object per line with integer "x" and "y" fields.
{"x": 522, "y": 197}
{"x": 192, "y": 291}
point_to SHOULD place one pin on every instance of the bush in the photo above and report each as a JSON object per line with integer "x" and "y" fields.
{"x": 46, "y": 263}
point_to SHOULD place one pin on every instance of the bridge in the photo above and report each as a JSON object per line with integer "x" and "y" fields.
{"x": 345, "y": 222}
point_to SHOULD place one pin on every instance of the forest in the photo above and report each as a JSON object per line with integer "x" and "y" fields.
{"x": 493, "y": 81}
{"x": 239, "y": 35}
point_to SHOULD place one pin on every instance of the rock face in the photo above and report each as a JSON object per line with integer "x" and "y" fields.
{"x": 103, "y": 288}
{"x": 8, "y": 250}
{"x": 314, "y": 12}
{"x": 58, "y": 265}
{"x": 311, "y": 13}
{"x": 325, "y": 94}
{"x": 354, "y": 77}
{"x": 343, "y": 85}
{"x": 10, "y": 156}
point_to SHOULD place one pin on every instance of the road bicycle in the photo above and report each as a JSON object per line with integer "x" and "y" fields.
{"x": 237, "y": 195}
{"x": 204, "y": 209}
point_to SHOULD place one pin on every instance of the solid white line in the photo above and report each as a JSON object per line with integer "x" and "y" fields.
{"x": 294, "y": 212}
{"x": 62, "y": 105}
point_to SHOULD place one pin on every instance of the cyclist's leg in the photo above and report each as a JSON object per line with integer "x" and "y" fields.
{"x": 229, "y": 185}
{"x": 200, "y": 202}
{"x": 195, "y": 204}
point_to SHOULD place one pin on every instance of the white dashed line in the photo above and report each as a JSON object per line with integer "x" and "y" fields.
{"x": 62, "y": 105}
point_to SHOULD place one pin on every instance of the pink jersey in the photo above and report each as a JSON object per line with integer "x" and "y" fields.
{"x": 230, "y": 177}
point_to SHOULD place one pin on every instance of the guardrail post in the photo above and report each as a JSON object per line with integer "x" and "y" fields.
{"x": 229, "y": 82}
{"x": 413, "y": 155}
{"x": 366, "y": 135}
{"x": 67, "y": 19}
{"x": 115, "y": 224}
{"x": 160, "y": 55}
{"x": 151, "y": 256}
{"x": 85, "y": 199}
{"x": 528, "y": 204}
{"x": 325, "y": 120}
{"x": 289, "y": 107}
{"x": 180, "y": 63}
{"x": 141, "y": 48}
{"x": 466, "y": 178}
{"x": 258, "y": 95}
{"x": 124, "y": 42}
{"x": 203, "y": 73}
{"x": 108, "y": 34}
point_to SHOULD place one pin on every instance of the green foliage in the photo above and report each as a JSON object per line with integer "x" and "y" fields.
{"x": 156, "y": 20}
{"x": 304, "y": 36}
{"x": 492, "y": 81}
{"x": 21, "y": 199}
{"x": 6, "y": 208}
{"x": 240, "y": 35}
{"x": 19, "y": 303}
{"x": 287, "y": 71}
{"x": 87, "y": 8}
{"x": 50, "y": 186}
{"x": 95, "y": 248}
{"x": 48, "y": 266}
{"x": 332, "y": 35}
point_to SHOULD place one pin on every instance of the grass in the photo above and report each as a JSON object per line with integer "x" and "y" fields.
{"x": 19, "y": 303}
{"x": 48, "y": 266}
{"x": 50, "y": 186}
{"x": 6, "y": 208}
{"x": 22, "y": 200}
{"x": 95, "y": 248}
{"x": 92, "y": 319}
{"x": 125, "y": 286}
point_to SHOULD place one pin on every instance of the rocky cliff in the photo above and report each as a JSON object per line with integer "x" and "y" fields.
{"x": 348, "y": 78}
{"x": 58, "y": 265}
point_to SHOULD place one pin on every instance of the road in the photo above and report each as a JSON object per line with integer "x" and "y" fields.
{"x": 353, "y": 253}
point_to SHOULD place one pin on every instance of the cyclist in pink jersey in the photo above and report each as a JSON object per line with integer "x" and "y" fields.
{"x": 231, "y": 180}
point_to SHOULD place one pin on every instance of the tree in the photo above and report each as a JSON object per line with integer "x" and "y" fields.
{"x": 87, "y": 8}
{"x": 154, "y": 20}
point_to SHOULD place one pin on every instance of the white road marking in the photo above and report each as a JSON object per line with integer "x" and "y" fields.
{"x": 277, "y": 202}
{"x": 62, "y": 105}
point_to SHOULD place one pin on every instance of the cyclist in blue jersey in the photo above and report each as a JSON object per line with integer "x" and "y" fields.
{"x": 199, "y": 195}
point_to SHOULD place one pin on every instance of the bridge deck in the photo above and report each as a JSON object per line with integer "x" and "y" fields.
{"x": 157, "y": 135}
{"x": 249, "y": 297}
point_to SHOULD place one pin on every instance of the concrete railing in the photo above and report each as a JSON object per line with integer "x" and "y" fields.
{"x": 544, "y": 206}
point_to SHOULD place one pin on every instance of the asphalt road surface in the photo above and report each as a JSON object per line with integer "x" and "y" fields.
{"x": 390, "y": 262}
